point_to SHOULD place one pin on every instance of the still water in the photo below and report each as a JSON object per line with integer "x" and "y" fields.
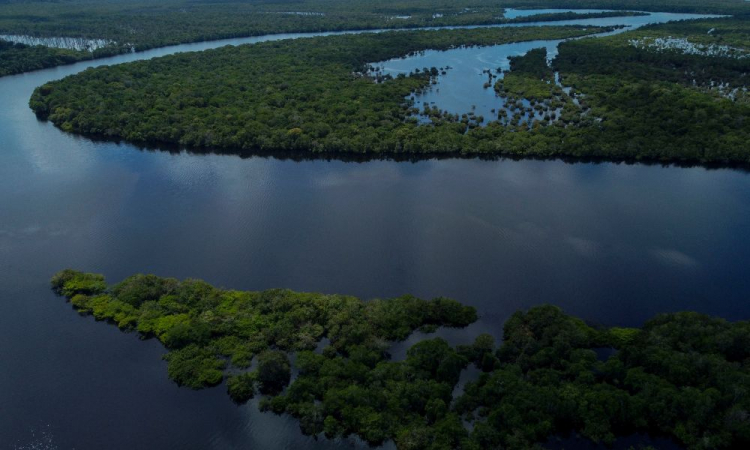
{"x": 461, "y": 89}
{"x": 612, "y": 243}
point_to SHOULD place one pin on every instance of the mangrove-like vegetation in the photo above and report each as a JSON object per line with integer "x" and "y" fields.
{"x": 309, "y": 95}
{"x": 683, "y": 375}
{"x": 623, "y": 99}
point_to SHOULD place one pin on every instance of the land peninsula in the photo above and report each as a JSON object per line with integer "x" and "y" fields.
{"x": 671, "y": 92}
{"x": 683, "y": 375}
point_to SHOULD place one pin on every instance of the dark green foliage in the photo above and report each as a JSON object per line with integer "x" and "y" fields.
{"x": 533, "y": 63}
{"x": 241, "y": 387}
{"x": 481, "y": 353}
{"x": 274, "y": 371}
{"x": 663, "y": 104}
{"x": 530, "y": 78}
{"x": 194, "y": 367}
{"x": 305, "y": 95}
{"x": 137, "y": 289}
{"x": 682, "y": 375}
{"x": 626, "y": 103}
{"x": 368, "y": 395}
{"x": 17, "y": 58}
{"x": 133, "y": 24}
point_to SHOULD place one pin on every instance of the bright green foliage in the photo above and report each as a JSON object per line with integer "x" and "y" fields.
{"x": 206, "y": 328}
{"x": 683, "y": 375}
{"x": 69, "y": 283}
{"x": 620, "y": 337}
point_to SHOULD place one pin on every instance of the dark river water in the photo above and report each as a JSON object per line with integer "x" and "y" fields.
{"x": 612, "y": 243}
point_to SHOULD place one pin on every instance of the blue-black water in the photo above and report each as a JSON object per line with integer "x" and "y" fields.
{"x": 612, "y": 243}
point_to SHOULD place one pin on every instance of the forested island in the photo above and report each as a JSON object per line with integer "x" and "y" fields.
{"x": 303, "y": 94}
{"x": 683, "y": 375}
{"x": 627, "y": 100}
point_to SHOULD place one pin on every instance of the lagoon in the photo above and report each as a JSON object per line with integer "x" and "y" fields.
{"x": 611, "y": 243}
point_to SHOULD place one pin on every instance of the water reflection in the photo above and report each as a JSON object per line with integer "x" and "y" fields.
{"x": 462, "y": 90}
{"x": 610, "y": 242}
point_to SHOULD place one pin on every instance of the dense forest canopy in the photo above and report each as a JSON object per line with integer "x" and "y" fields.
{"x": 138, "y": 25}
{"x": 305, "y": 94}
{"x": 683, "y": 375}
{"x": 18, "y": 58}
{"x": 628, "y": 100}
{"x": 168, "y": 22}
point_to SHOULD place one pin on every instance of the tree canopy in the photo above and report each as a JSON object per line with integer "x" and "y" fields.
{"x": 615, "y": 97}
{"x": 134, "y": 25}
{"x": 683, "y": 375}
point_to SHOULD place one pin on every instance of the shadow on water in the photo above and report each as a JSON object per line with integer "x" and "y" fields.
{"x": 356, "y": 157}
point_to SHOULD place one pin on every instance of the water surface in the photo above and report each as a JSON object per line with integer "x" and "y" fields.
{"x": 511, "y": 13}
{"x": 612, "y": 243}
{"x": 461, "y": 89}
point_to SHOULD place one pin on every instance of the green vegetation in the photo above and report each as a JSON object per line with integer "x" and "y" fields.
{"x": 139, "y": 25}
{"x": 305, "y": 94}
{"x": 683, "y": 6}
{"x": 210, "y": 330}
{"x": 531, "y": 78}
{"x": 629, "y": 98}
{"x": 517, "y": 85}
{"x": 136, "y": 25}
{"x": 18, "y": 58}
{"x": 664, "y": 105}
{"x": 558, "y": 16}
{"x": 683, "y": 375}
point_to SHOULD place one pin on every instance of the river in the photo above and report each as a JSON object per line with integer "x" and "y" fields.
{"x": 612, "y": 243}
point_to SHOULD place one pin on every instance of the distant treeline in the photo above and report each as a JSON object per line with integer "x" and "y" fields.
{"x": 139, "y": 25}
{"x": 682, "y": 375}
{"x": 130, "y": 24}
{"x": 18, "y": 58}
